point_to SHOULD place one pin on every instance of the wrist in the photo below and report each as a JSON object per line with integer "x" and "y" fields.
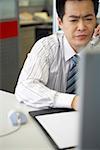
{"x": 75, "y": 102}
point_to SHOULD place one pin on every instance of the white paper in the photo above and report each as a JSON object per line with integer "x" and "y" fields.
{"x": 62, "y": 128}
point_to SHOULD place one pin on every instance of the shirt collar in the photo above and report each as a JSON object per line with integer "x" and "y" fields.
{"x": 68, "y": 50}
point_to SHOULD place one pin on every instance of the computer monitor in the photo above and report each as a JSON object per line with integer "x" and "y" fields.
{"x": 89, "y": 133}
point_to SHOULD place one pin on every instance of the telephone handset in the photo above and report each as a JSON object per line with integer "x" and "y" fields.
{"x": 95, "y": 40}
{"x": 93, "y": 46}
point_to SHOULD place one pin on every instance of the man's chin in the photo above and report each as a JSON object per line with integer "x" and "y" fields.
{"x": 82, "y": 43}
{"x": 81, "y": 47}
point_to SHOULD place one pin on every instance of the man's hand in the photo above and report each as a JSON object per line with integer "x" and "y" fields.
{"x": 75, "y": 103}
{"x": 97, "y": 31}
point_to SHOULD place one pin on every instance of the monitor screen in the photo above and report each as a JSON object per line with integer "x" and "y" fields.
{"x": 89, "y": 135}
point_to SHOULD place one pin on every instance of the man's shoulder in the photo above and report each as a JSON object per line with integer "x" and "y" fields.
{"x": 53, "y": 39}
{"x": 50, "y": 43}
{"x": 56, "y": 36}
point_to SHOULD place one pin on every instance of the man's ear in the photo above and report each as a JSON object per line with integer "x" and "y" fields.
{"x": 59, "y": 22}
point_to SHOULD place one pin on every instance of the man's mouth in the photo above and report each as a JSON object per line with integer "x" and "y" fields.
{"x": 81, "y": 36}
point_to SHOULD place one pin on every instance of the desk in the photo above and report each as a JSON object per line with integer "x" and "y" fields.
{"x": 29, "y": 137}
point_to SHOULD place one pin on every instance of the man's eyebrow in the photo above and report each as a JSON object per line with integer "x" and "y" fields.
{"x": 77, "y": 17}
{"x": 89, "y": 15}
{"x": 73, "y": 16}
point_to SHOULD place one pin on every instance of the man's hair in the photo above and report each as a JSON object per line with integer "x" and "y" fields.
{"x": 60, "y": 7}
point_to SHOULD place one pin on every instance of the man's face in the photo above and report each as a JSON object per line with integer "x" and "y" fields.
{"x": 78, "y": 22}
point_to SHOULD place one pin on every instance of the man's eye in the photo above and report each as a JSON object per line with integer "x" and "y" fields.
{"x": 88, "y": 19}
{"x": 73, "y": 20}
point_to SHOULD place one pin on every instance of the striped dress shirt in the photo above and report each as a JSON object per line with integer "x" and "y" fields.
{"x": 42, "y": 81}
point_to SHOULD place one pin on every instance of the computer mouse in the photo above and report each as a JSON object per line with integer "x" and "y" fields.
{"x": 17, "y": 118}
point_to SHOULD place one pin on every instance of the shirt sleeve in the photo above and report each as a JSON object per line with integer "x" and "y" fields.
{"x": 31, "y": 88}
{"x": 63, "y": 100}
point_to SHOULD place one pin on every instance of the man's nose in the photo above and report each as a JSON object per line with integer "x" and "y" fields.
{"x": 81, "y": 25}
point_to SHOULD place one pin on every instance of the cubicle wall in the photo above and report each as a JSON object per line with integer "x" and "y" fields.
{"x": 9, "y": 47}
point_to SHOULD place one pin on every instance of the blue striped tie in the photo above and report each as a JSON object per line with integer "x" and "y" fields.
{"x": 72, "y": 75}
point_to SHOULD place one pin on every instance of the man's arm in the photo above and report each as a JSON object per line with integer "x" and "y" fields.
{"x": 31, "y": 88}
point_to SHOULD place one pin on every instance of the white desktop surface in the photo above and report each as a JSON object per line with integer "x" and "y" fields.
{"x": 29, "y": 137}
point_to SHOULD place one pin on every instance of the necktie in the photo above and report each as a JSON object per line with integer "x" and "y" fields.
{"x": 72, "y": 75}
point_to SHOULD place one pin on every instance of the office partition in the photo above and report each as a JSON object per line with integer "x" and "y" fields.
{"x": 9, "y": 47}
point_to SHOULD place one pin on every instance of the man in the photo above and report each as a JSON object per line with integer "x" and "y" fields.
{"x": 43, "y": 79}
